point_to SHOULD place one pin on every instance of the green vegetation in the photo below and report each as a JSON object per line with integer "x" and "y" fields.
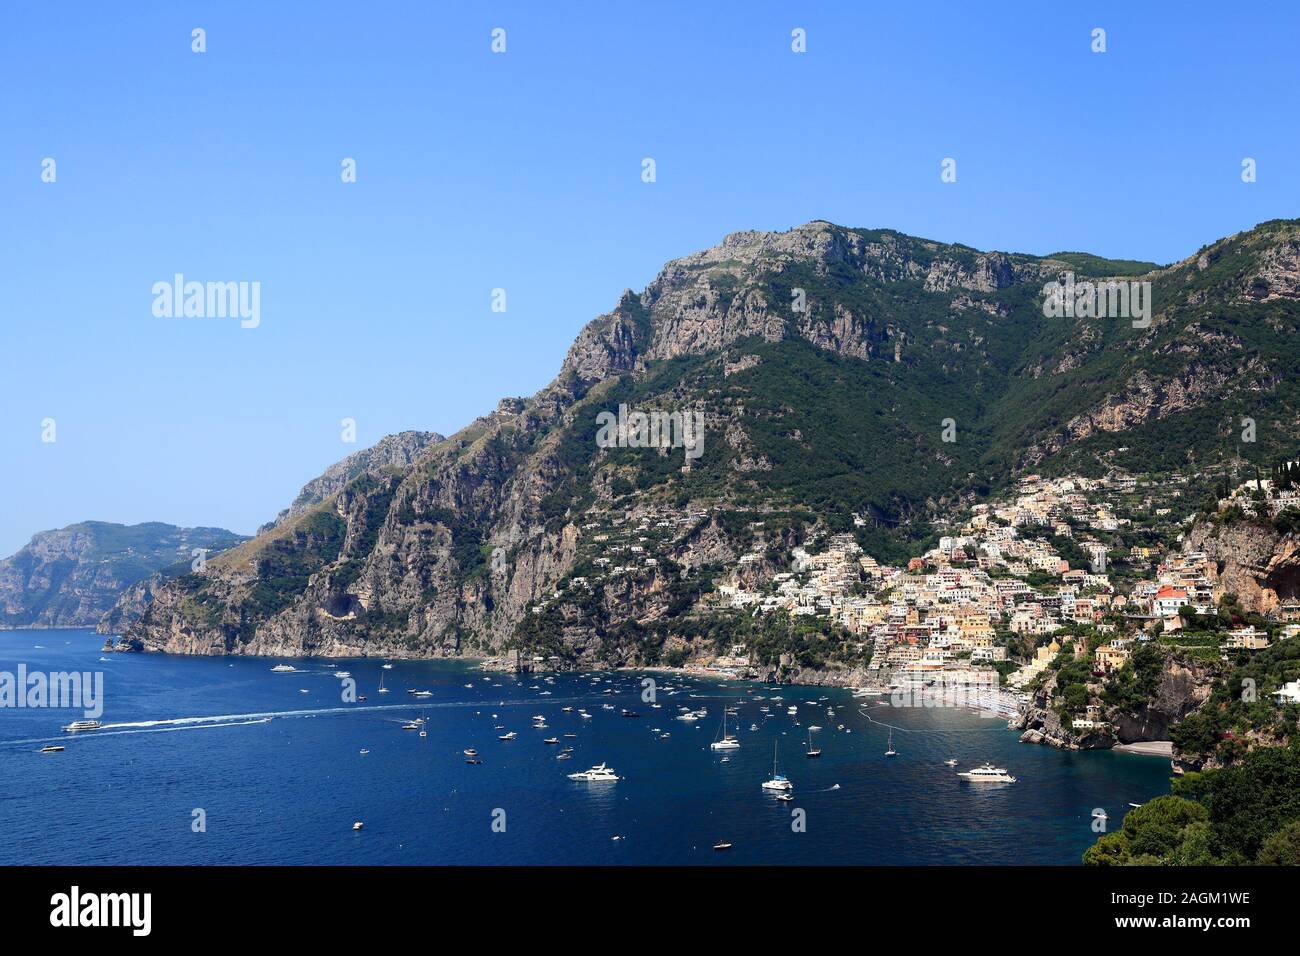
{"x": 1245, "y": 813}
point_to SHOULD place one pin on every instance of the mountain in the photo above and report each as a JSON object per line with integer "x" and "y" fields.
{"x": 836, "y": 372}
{"x": 391, "y": 451}
{"x": 72, "y": 576}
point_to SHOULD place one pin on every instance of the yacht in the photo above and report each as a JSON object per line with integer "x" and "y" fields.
{"x": 551, "y": 740}
{"x": 283, "y": 669}
{"x": 778, "y": 781}
{"x": 724, "y": 741}
{"x": 510, "y": 736}
{"x": 422, "y": 693}
{"x": 988, "y": 774}
{"x": 79, "y": 725}
{"x": 792, "y": 710}
{"x": 597, "y": 773}
{"x": 812, "y": 751}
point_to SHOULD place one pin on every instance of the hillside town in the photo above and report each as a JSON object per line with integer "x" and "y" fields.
{"x": 985, "y": 613}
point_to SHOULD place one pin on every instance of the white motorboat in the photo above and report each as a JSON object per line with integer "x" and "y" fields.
{"x": 283, "y": 669}
{"x": 988, "y": 774}
{"x": 77, "y": 726}
{"x": 597, "y": 774}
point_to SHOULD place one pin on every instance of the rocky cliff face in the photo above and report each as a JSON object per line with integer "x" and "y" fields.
{"x": 823, "y": 361}
{"x": 391, "y": 451}
{"x": 71, "y": 577}
{"x": 1251, "y": 560}
{"x": 1181, "y": 687}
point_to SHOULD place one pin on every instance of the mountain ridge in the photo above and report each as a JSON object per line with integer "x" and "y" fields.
{"x": 447, "y": 555}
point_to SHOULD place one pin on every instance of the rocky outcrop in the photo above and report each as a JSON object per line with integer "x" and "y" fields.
{"x": 391, "y": 451}
{"x": 1181, "y": 686}
{"x": 1252, "y": 560}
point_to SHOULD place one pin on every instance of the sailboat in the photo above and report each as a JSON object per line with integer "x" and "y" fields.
{"x": 778, "y": 781}
{"x": 812, "y": 751}
{"x": 725, "y": 740}
{"x": 382, "y": 688}
{"x": 891, "y": 752}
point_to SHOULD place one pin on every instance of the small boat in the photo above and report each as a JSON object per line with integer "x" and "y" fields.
{"x": 411, "y": 725}
{"x": 283, "y": 669}
{"x": 358, "y": 825}
{"x": 551, "y": 740}
{"x": 988, "y": 774}
{"x": 470, "y": 752}
{"x": 891, "y": 752}
{"x": 785, "y": 797}
{"x": 630, "y": 713}
{"x": 364, "y": 752}
{"x": 52, "y": 749}
{"x": 388, "y": 667}
{"x": 724, "y": 740}
{"x": 950, "y": 763}
{"x": 473, "y": 760}
{"x": 422, "y": 693}
{"x": 342, "y": 674}
{"x": 510, "y": 736}
{"x": 722, "y": 845}
{"x": 812, "y": 751}
{"x": 597, "y": 774}
{"x": 778, "y": 781}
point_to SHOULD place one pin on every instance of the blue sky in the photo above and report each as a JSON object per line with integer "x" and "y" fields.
{"x": 522, "y": 171}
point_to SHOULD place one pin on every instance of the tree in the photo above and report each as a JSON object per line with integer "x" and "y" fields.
{"x": 1282, "y": 848}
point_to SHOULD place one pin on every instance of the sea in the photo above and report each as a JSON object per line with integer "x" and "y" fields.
{"x": 187, "y": 769}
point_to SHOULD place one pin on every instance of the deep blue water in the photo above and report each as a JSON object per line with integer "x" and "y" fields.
{"x": 289, "y": 790}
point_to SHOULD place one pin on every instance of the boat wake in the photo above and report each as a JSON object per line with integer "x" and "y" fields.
{"x": 242, "y": 720}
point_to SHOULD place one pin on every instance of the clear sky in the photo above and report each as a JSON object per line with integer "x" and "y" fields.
{"x": 522, "y": 171}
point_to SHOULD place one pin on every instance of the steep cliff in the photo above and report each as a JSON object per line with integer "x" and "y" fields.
{"x": 1252, "y": 560}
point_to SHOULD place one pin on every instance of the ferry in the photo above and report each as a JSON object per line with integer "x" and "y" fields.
{"x": 283, "y": 669}
{"x": 988, "y": 774}
{"x": 79, "y": 725}
{"x": 597, "y": 773}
